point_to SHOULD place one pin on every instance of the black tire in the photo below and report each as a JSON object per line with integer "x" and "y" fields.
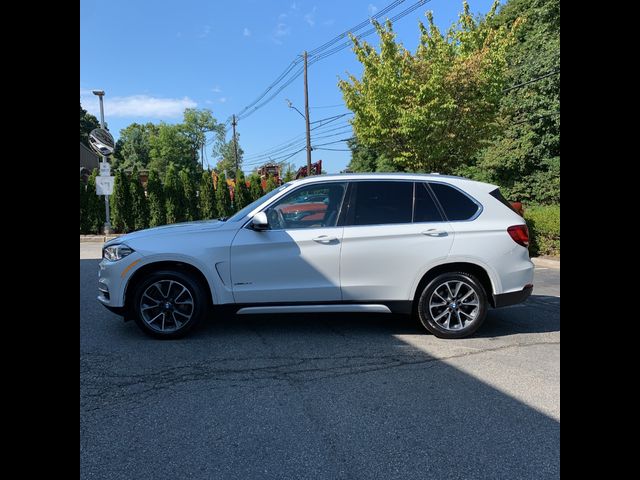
{"x": 456, "y": 330}
{"x": 179, "y": 304}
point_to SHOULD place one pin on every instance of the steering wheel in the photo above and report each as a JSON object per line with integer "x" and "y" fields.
{"x": 277, "y": 219}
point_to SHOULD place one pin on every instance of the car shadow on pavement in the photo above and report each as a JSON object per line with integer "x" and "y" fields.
{"x": 317, "y": 396}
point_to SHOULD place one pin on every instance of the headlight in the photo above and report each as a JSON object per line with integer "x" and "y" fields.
{"x": 116, "y": 252}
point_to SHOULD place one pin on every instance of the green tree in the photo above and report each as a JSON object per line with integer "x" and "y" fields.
{"x": 223, "y": 197}
{"x": 174, "y": 196}
{"x": 121, "y": 208}
{"x": 196, "y": 124}
{"x": 207, "y": 197}
{"x": 95, "y": 210}
{"x": 432, "y": 110}
{"x": 367, "y": 159}
{"x": 289, "y": 173}
{"x": 155, "y": 197}
{"x": 270, "y": 185}
{"x": 87, "y": 123}
{"x": 170, "y": 145}
{"x": 241, "y": 194}
{"x": 524, "y": 156}
{"x": 139, "y": 203}
{"x": 227, "y": 154}
{"x": 255, "y": 187}
{"x": 134, "y": 145}
{"x": 189, "y": 192}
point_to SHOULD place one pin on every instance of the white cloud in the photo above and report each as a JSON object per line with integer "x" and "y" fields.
{"x": 328, "y": 23}
{"x": 136, "y": 105}
{"x": 222, "y": 99}
{"x": 294, "y": 6}
{"x": 310, "y": 17}
{"x": 246, "y": 32}
{"x": 216, "y": 89}
{"x": 372, "y": 9}
{"x": 205, "y": 32}
{"x": 282, "y": 30}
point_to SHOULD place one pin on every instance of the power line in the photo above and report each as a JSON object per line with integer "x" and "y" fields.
{"x": 348, "y": 43}
{"x": 330, "y": 106}
{"x": 554, "y": 72}
{"x": 319, "y": 53}
{"x": 331, "y": 143}
{"x": 334, "y": 116}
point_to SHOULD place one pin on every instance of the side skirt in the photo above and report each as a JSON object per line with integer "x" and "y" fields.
{"x": 401, "y": 307}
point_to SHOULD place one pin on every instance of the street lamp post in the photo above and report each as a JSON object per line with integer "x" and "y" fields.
{"x": 107, "y": 223}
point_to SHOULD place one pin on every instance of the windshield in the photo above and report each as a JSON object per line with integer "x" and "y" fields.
{"x": 239, "y": 215}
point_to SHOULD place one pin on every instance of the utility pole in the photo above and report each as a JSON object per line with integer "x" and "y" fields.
{"x": 306, "y": 116}
{"x": 107, "y": 223}
{"x": 235, "y": 141}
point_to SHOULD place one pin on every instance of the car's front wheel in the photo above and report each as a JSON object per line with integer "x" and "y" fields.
{"x": 453, "y": 305}
{"x": 167, "y": 304}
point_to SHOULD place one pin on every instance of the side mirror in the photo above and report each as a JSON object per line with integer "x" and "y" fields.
{"x": 260, "y": 222}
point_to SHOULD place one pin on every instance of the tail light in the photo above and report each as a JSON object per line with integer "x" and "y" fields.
{"x": 520, "y": 234}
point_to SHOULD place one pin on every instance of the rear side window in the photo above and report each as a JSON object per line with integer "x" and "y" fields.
{"x": 498, "y": 196}
{"x": 456, "y": 205}
{"x": 382, "y": 203}
{"x": 425, "y": 209}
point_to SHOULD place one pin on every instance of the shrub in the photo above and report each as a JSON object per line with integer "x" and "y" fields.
{"x": 95, "y": 206}
{"x": 207, "y": 197}
{"x": 155, "y": 196}
{"x": 139, "y": 203}
{"x": 121, "y": 211}
{"x": 544, "y": 229}
{"x": 223, "y": 197}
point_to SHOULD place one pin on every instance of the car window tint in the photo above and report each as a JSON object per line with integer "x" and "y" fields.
{"x": 307, "y": 207}
{"x": 425, "y": 209}
{"x": 456, "y": 205}
{"x": 382, "y": 203}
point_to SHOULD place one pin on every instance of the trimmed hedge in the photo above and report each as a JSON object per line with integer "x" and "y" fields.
{"x": 544, "y": 229}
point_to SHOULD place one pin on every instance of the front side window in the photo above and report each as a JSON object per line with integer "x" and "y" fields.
{"x": 312, "y": 206}
{"x": 239, "y": 215}
{"x": 378, "y": 203}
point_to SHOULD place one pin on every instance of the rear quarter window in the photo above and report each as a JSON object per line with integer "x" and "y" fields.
{"x": 456, "y": 205}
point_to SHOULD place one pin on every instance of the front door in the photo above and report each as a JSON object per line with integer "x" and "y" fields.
{"x": 298, "y": 258}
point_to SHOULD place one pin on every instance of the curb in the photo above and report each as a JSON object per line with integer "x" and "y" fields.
{"x": 546, "y": 262}
{"x": 98, "y": 238}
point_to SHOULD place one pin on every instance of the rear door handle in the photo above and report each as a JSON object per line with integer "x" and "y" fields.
{"x": 434, "y": 232}
{"x": 325, "y": 239}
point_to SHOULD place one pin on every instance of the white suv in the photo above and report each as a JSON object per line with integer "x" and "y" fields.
{"x": 444, "y": 248}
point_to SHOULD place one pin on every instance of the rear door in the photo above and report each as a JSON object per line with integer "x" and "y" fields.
{"x": 393, "y": 231}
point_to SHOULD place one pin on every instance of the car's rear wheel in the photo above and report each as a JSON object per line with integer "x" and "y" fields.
{"x": 453, "y": 305}
{"x": 167, "y": 304}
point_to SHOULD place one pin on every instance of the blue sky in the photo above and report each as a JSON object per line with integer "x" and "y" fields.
{"x": 155, "y": 58}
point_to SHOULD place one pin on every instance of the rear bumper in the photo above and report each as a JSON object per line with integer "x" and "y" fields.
{"x": 511, "y": 298}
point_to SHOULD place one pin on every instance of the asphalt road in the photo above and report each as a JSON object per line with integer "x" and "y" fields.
{"x": 334, "y": 396}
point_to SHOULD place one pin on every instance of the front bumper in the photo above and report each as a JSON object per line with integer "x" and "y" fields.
{"x": 113, "y": 278}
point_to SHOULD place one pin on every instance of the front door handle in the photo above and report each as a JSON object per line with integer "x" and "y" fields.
{"x": 434, "y": 232}
{"x": 325, "y": 239}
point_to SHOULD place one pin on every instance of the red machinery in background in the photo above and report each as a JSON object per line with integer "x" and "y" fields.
{"x": 316, "y": 169}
